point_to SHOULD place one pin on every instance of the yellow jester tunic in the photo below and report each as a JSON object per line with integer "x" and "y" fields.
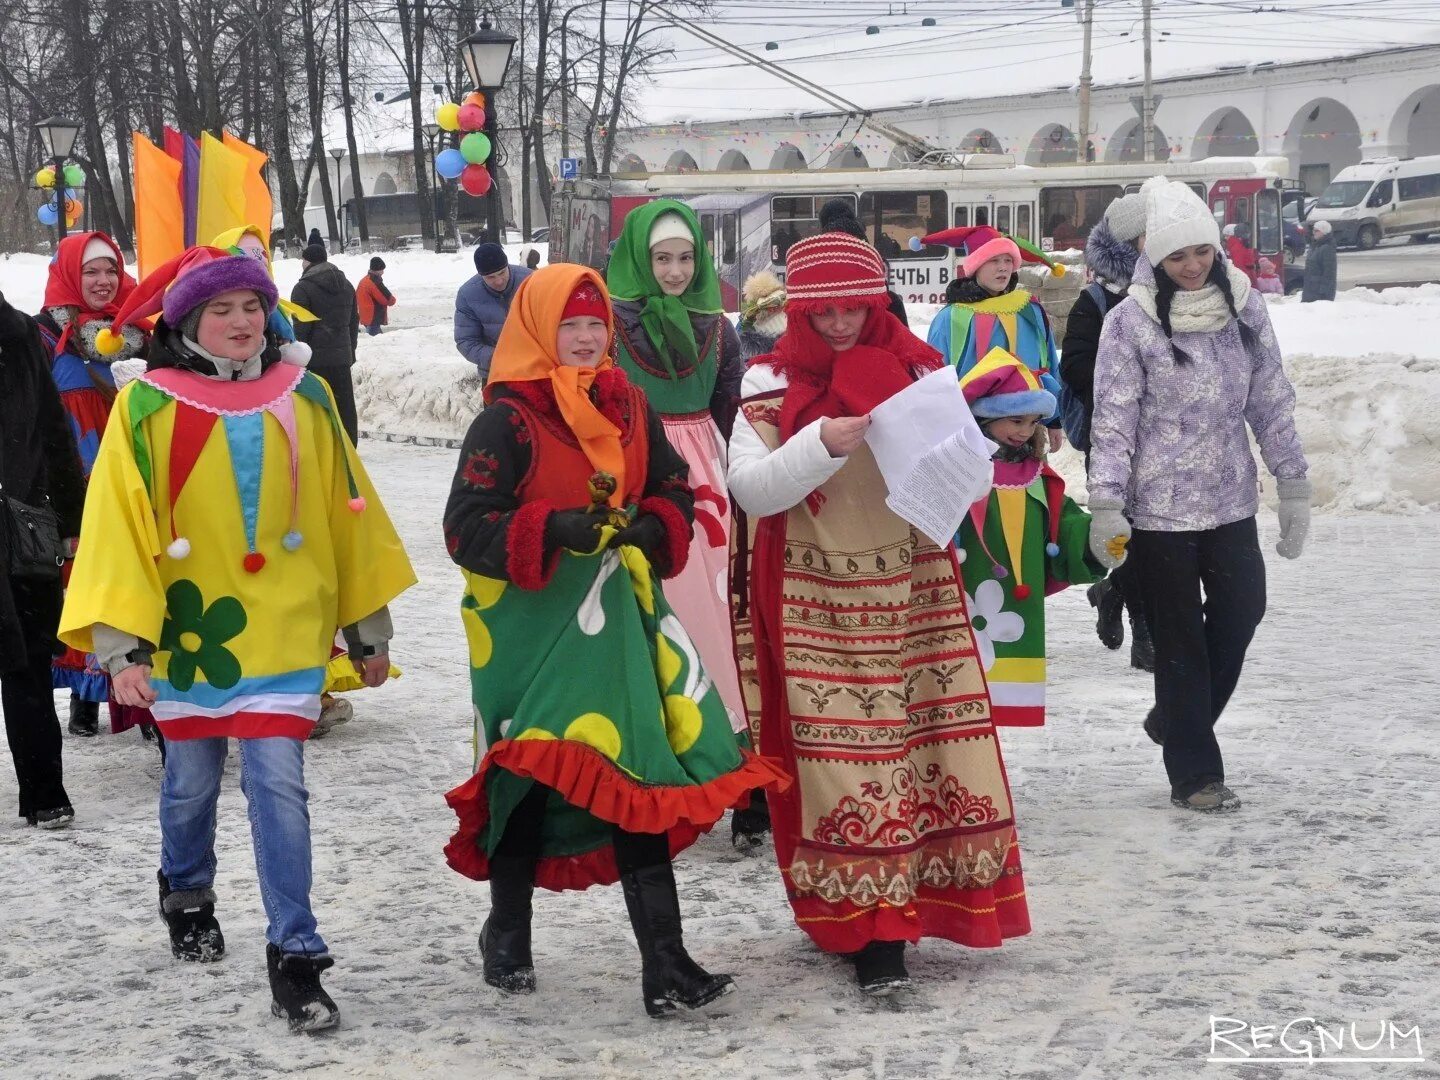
{"x": 232, "y": 525}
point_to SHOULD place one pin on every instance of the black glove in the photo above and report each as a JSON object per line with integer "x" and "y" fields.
{"x": 646, "y": 532}
{"x": 577, "y": 530}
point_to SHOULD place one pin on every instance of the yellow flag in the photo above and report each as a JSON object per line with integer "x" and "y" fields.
{"x": 259, "y": 206}
{"x": 159, "y": 216}
{"x": 222, "y": 188}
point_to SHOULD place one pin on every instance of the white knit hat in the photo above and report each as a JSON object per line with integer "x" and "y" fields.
{"x": 1126, "y": 217}
{"x": 670, "y": 226}
{"x": 95, "y": 248}
{"x": 1175, "y": 218}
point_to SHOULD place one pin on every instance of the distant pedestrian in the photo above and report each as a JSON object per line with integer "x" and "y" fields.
{"x": 1237, "y": 247}
{"x": 373, "y": 298}
{"x": 1320, "y": 265}
{"x": 325, "y": 291}
{"x": 532, "y": 259}
{"x": 315, "y": 238}
{"x": 1267, "y": 280}
{"x": 483, "y": 304}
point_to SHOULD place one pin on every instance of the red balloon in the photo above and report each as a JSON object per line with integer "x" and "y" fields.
{"x": 472, "y": 117}
{"x": 475, "y": 180}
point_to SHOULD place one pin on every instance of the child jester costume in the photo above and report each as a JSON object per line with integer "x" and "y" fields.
{"x": 229, "y": 529}
{"x": 1024, "y": 541}
{"x": 606, "y": 747}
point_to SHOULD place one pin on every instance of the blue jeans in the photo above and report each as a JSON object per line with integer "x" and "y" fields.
{"x": 272, "y": 776}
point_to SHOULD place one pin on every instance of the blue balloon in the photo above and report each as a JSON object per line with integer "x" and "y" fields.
{"x": 47, "y": 214}
{"x": 450, "y": 163}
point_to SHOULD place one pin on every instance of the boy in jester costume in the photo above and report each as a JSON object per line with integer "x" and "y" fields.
{"x": 1022, "y": 542}
{"x": 605, "y": 748}
{"x": 986, "y": 309}
{"x": 232, "y": 529}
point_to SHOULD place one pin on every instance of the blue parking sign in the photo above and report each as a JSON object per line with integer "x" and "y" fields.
{"x": 569, "y": 168}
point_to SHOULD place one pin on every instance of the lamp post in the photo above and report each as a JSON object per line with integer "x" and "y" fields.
{"x": 58, "y": 135}
{"x": 565, "y": 75}
{"x": 431, "y": 131}
{"x": 486, "y": 54}
{"x": 339, "y": 156}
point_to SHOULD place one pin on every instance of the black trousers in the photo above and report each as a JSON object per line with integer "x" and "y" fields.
{"x": 31, "y": 726}
{"x": 342, "y": 386}
{"x": 633, "y": 851}
{"x": 1200, "y": 644}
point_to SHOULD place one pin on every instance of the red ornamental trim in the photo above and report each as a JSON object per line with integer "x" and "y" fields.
{"x": 525, "y": 559}
{"x": 677, "y": 534}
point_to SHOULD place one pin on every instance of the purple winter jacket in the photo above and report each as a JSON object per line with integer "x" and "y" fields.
{"x": 1169, "y": 439}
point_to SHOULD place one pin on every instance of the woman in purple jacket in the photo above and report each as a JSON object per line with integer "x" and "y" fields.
{"x": 1184, "y": 364}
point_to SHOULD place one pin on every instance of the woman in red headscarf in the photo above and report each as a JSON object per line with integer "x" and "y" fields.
{"x": 855, "y": 645}
{"x": 87, "y": 285}
{"x": 604, "y": 746}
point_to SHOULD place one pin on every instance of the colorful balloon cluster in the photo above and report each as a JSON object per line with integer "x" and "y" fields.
{"x": 466, "y": 164}
{"x": 48, "y": 212}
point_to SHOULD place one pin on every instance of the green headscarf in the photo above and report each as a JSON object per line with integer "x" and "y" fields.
{"x": 666, "y": 319}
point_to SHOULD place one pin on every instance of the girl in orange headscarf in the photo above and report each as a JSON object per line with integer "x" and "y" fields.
{"x": 604, "y": 747}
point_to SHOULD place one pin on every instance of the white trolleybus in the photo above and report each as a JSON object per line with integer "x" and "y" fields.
{"x": 750, "y": 219}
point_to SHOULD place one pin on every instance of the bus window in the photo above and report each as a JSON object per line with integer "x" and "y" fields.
{"x": 1417, "y": 187}
{"x": 891, "y": 218}
{"x": 962, "y": 216}
{"x": 1198, "y": 189}
{"x": 794, "y": 217}
{"x": 729, "y": 238}
{"x": 1267, "y": 222}
{"x": 707, "y": 230}
{"x": 982, "y": 215}
{"x": 1068, "y": 214}
{"x": 1384, "y": 194}
{"x": 1002, "y": 218}
{"x": 1242, "y": 217}
{"x": 1134, "y": 189}
{"x": 1022, "y": 222}
{"x": 1218, "y": 210}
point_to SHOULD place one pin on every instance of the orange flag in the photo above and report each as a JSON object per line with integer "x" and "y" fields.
{"x": 159, "y": 216}
{"x": 259, "y": 207}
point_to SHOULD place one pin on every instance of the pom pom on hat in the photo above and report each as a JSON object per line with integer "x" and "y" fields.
{"x": 296, "y": 352}
{"x": 179, "y": 548}
{"x": 108, "y": 342}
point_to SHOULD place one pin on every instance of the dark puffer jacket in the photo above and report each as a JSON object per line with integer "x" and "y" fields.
{"x": 1111, "y": 261}
{"x": 328, "y": 294}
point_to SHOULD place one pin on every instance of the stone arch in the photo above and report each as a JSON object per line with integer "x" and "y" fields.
{"x": 848, "y": 156}
{"x": 787, "y": 157}
{"x": 317, "y": 195}
{"x": 1127, "y": 144}
{"x": 1415, "y": 130}
{"x": 981, "y": 141}
{"x": 1053, "y": 144}
{"x": 1226, "y": 132}
{"x": 1322, "y": 138}
{"x": 384, "y": 185}
{"x": 631, "y": 163}
{"x": 681, "y": 162}
{"x": 733, "y": 161}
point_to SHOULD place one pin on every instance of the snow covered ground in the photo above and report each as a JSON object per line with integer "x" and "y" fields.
{"x": 1317, "y": 899}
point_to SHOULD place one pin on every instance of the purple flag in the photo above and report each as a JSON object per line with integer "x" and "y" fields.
{"x": 190, "y": 187}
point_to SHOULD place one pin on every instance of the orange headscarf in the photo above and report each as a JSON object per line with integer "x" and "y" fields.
{"x": 526, "y": 352}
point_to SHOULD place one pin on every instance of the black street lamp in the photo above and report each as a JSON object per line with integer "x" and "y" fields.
{"x": 58, "y": 135}
{"x": 432, "y": 131}
{"x": 486, "y": 54}
{"x": 339, "y": 156}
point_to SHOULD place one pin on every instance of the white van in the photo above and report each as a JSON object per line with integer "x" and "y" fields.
{"x": 1382, "y": 197}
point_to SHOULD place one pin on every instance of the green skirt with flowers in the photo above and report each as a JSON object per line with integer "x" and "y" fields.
{"x": 591, "y": 687}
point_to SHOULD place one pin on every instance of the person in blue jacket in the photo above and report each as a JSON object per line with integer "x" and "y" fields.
{"x": 483, "y": 303}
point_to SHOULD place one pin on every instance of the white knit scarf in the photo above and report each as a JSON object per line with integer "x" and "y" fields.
{"x": 1202, "y": 311}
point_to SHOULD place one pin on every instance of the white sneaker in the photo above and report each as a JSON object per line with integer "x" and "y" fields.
{"x": 1213, "y": 797}
{"x": 333, "y": 710}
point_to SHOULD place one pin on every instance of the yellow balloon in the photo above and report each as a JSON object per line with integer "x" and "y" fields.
{"x": 45, "y": 178}
{"x": 448, "y": 116}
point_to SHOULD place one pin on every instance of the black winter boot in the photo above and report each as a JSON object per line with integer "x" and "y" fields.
{"x": 750, "y": 824}
{"x": 505, "y": 937}
{"x": 668, "y": 976}
{"x": 1142, "y": 647}
{"x": 1105, "y": 598}
{"x": 84, "y": 717}
{"x": 296, "y": 991}
{"x": 190, "y": 915}
{"x": 880, "y": 968}
{"x": 1155, "y": 727}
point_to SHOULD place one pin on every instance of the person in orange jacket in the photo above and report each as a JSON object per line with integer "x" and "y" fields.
{"x": 373, "y": 298}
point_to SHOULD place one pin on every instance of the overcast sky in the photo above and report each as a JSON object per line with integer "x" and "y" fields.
{"x": 987, "y": 48}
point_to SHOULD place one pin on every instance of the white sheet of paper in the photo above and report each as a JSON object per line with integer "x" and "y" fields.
{"x": 931, "y": 453}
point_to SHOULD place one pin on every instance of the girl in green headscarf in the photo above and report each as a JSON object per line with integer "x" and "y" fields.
{"x": 673, "y": 340}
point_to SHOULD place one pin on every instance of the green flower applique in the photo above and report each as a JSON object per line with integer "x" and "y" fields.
{"x": 195, "y": 637}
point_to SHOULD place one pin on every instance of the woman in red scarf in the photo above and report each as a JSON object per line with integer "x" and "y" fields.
{"x": 87, "y": 285}
{"x": 855, "y": 646}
